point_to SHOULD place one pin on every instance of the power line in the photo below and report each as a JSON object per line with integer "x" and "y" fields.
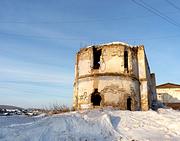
{"x": 173, "y": 5}
{"x": 156, "y": 12}
{"x": 167, "y": 17}
{"x": 170, "y": 19}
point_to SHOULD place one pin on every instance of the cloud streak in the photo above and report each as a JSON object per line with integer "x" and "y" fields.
{"x": 36, "y": 77}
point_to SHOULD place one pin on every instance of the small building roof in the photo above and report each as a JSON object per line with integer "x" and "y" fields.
{"x": 168, "y": 85}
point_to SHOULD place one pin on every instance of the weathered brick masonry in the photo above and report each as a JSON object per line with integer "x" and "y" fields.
{"x": 114, "y": 74}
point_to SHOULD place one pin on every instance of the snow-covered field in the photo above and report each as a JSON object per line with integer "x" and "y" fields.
{"x": 96, "y": 125}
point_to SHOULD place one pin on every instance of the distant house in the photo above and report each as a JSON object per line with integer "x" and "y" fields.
{"x": 169, "y": 94}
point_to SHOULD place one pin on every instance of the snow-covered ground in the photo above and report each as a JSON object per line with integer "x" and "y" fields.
{"x": 96, "y": 125}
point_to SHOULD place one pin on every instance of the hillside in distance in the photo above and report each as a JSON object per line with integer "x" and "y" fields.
{"x": 9, "y": 107}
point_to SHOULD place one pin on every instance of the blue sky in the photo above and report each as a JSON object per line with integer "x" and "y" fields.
{"x": 39, "y": 39}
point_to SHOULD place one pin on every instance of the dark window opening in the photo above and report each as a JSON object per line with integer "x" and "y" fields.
{"x": 129, "y": 103}
{"x": 96, "y": 59}
{"x": 126, "y": 60}
{"x": 96, "y": 98}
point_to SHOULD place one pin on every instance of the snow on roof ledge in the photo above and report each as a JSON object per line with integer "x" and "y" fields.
{"x": 111, "y": 43}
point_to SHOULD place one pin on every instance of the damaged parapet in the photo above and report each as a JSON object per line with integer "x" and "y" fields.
{"x": 114, "y": 74}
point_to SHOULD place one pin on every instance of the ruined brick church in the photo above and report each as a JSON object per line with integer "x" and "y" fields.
{"x": 113, "y": 74}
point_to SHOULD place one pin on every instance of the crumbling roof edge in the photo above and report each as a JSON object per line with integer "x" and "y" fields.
{"x": 112, "y": 43}
{"x": 107, "y": 44}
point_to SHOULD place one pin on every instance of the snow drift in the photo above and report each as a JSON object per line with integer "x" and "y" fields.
{"x": 96, "y": 125}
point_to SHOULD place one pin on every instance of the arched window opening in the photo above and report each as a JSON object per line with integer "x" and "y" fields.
{"x": 96, "y": 98}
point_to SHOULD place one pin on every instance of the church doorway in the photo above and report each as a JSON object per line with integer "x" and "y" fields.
{"x": 129, "y": 103}
{"x": 96, "y": 98}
